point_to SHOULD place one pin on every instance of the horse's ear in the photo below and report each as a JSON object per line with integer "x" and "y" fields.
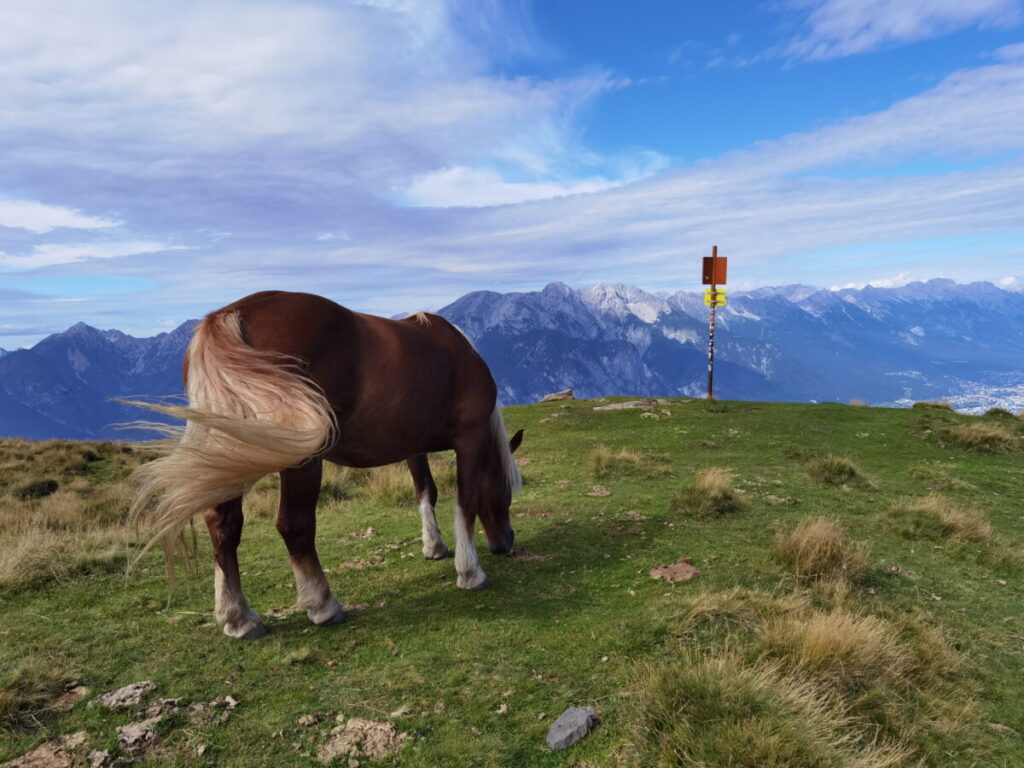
{"x": 517, "y": 438}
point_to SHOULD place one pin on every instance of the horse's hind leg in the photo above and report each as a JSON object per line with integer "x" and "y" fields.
{"x": 296, "y": 522}
{"x": 470, "y": 574}
{"x": 231, "y": 609}
{"x": 434, "y": 547}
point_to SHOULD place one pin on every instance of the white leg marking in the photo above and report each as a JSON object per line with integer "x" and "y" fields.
{"x": 434, "y": 547}
{"x": 231, "y": 609}
{"x": 471, "y": 575}
{"x": 314, "y": 595}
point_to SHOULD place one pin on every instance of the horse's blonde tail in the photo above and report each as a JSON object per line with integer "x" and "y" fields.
{"x": 250, "y": 413}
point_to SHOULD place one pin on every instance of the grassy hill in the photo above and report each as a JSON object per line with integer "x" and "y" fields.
{"x": 858, "y": 601}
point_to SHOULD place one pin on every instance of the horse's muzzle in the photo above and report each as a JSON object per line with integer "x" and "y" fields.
{"x": 506, "y": 546}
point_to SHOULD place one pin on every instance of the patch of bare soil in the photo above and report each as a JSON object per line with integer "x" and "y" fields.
{"x": 70, "y": 751}
{"x": 682, "y": 569}
{"x": 361, "y": 738}
{"x": 598, "y": 490}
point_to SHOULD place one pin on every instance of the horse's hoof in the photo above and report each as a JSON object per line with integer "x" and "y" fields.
{"x": 256, "y": 633}
{"x": 338, "y": 618}
{"x": 474, "y": 586}
{"x": 440, "y": 553}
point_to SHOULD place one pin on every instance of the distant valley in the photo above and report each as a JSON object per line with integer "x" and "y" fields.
{"x": 891, "y": 346}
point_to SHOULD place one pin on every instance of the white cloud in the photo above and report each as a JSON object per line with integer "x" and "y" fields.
{"x": 51, "y": 254}
{"x": 460, "y": 186}
{"x": 1012, "y": 283}
{"x": 40, "y": 218}
{"x": 375, "y": 91}
{"x": 843, "y": 27}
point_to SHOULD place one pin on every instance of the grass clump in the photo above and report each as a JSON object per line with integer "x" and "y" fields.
{"x": 604, "y": 461}
{"x": 818, "y": 548}
{"x": 718, "y": 711}
{"x": 711, "y": 495}
{"x": 27, "y": 691}
{"x": 939, "y": 406}
{"x": 939, "y": 479}
{"x": 999, "y": 413}
{"x": 740, "y": 608}
{"x": 843, "y": 647}
{"x": 937, "y": 517}
{"x": 979, "y": 436}
{"x": 835, "y": 470}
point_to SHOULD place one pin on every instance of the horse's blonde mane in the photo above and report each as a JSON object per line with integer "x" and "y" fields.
{"x": 420, "y": 317}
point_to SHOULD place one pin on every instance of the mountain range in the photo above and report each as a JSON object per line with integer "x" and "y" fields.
{"x": 892, "y": 346}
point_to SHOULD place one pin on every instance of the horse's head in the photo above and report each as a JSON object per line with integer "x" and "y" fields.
{"x": 494, "y": 510}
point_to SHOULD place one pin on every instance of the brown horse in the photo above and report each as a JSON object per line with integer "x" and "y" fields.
{"x": 278, "y": 382}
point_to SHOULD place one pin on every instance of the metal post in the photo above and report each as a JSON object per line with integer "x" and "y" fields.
{"x": 711, "y": 325}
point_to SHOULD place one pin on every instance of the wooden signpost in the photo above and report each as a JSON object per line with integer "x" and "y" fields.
{"x": 713, "y": 274}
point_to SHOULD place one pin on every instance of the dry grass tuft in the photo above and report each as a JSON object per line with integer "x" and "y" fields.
{"x": 979, "y": 436}
{"x": 711, "y": 495}
{"x": 604, "y": 461}
{"x": 63, "y": 507}
{"x": 28, "y": 689}
{"x": 841, "y": 647}
{"x": 818, "y": 548}
{"x": 835, "y": 470}
{"x": 741, "y": 608}
{"x": 936, "y": 516}
{"x": 716, "y": 711}
{"x": 939, "y": 479}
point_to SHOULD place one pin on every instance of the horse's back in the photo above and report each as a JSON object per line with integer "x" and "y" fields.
{"x": 399, "y": 387}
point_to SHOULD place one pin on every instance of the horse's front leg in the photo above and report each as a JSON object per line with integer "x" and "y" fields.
{"x": 296, "y": 522}
{"x": 434, "y": 547}
{"x": 230, "y": 607}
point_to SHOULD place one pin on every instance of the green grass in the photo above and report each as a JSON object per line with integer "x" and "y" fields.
{"x": 733, "y": 668}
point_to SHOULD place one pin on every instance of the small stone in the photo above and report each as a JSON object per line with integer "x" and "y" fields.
{"x": 135, "y": 736}
{"x": 571, "y": 726}
{"x": 502, "y": 709}
{"x": 127, "y": 696}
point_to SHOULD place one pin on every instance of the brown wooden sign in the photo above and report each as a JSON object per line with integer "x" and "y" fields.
{"x": 713, "y": 272}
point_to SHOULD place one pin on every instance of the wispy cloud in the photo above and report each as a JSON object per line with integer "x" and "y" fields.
{"x": 51, "y": 254}
{"x": 836, "y": 28}
{"x": 40, "y": 218}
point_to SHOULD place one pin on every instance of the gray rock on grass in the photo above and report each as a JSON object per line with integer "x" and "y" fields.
{"x": 128, "y": 696}
{"x": 565, "y": 394}
{"x": 571, "y": 726}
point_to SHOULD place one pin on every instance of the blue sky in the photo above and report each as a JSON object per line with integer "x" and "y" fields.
{"x": 159, "y": 160}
